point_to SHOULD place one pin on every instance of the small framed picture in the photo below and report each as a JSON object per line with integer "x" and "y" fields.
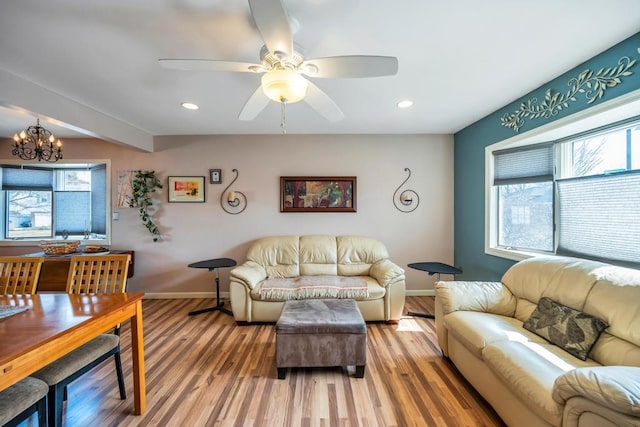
{"x": 215, "y": 176}
{"x": 186, "y": 189}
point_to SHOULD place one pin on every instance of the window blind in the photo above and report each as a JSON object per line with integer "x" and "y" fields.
{"x": 599, "y": 217}
{"x": 27, "y": 178}
{"x": 99, "y": 199}
{"x": 523, "y": 165}
{"x": 72, "y": 211}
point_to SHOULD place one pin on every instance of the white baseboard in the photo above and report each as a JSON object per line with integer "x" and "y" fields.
{"x": 225, "y": 295}
{"x": 420, "y": 293}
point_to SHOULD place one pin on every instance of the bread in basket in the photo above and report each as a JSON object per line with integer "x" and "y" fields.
{"x": 59, "y": 248}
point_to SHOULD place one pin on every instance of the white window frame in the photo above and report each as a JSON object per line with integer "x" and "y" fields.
{"x": 32, "y": 242}
{"x": 620, "y": 108}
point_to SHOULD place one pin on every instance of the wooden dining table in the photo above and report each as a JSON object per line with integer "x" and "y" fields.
{"x": 56, "y": 323}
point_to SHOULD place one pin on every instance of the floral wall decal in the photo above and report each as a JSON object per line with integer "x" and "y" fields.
{"x": 592, "y": 84}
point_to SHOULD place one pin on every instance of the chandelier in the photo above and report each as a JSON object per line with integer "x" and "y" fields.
{"x": 37, "y": 143}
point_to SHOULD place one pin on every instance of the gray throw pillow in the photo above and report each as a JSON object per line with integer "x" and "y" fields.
{"x": 572, "y": 330}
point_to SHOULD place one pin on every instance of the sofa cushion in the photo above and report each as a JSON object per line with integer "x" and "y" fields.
{"x": 616, "y": 287}
{"x": 356, "y": 254}
{"x": 563, "y": 279}
{"x": 309, "y": 287}
{"x": 530, "y": 369}
{"x": 318, "y": 255}
{"x": 374, "y": 290}
{"x": 475, "y": 330}
{"x": 279, "y": 255}
{"x": 611, "y": 350}
{"x": 572, "y": 330}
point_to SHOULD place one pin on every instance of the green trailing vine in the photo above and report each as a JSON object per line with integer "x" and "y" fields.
{"x": 144, "y": 184}
{"x": 592, "y": 84}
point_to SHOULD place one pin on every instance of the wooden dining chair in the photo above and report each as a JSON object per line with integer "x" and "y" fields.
{"x": 88, "y": 274}
{"x": 19, "y": 275}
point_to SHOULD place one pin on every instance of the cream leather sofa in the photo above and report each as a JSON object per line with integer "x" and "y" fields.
{"x": 528, "y": 380}
{"x": 317, "y": 260}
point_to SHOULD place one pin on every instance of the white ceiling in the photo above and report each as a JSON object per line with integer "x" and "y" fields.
{"x": 459, "y": 60}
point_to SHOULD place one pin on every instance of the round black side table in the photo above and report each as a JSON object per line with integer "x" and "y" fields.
{"x": 433, "y": 268}
{"x": 213, "y": 265}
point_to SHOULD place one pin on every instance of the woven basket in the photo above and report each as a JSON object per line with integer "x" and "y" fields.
{"x": 59, "y": 248}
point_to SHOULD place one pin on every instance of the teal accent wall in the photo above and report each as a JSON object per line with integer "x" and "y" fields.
{"x": 471, "y": 141}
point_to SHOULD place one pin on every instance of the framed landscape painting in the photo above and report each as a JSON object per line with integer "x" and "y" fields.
{"x": 318, "y": 194}
{"x": 186, "y": 189}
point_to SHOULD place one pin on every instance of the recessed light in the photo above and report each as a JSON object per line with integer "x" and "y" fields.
{"x": 189, "y": 106}
{"x": 404, "y": 104}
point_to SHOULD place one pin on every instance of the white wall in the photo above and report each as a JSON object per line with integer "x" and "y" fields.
{"x": 198, "y": 231}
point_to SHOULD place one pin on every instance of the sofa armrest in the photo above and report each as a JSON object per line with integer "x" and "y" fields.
{"x": 250, "y": 273}
{"x": 386, "y": 272}
{"x": 490, "y": 297}
{"x": 613, "y": 387}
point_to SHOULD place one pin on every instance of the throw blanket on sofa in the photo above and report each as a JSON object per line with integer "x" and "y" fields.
{"x": 312, "y": 287}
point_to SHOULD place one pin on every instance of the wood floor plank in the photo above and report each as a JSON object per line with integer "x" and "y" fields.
{"x": 204, "y": 370}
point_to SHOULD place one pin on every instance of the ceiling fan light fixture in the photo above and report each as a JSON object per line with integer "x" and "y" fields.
{"x": 284, "y": 85}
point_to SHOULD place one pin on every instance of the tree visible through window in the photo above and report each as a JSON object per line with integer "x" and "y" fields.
{"x": 29, "y": 214}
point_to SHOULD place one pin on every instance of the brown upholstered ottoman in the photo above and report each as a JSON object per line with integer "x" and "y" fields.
{"x": 311, "y": 333}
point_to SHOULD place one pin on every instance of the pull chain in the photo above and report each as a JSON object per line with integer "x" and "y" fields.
{"x": 283, "y": 118}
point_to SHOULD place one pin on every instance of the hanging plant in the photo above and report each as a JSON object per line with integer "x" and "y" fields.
{"x": 144, "y": 184}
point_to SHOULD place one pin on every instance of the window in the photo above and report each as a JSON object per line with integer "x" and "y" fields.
{"x": 602, "y": 152}
{"x": 599, "y": 195}
{"x": 54, "y": 201}
{"x": 523, "y": 181}
{"x": 577, "y": 195}
{"x": 526, "y": 216}
{"x": 29, "y": 214}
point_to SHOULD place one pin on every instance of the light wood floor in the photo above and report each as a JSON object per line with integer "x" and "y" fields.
{"x": 205, "y": 370}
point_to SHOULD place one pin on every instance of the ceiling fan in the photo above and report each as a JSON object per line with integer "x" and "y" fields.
{"x": 283, "y": 66}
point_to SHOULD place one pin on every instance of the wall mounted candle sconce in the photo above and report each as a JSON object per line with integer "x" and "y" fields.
{"x": 406, "y": 200}
{"x": 233, "y": 202}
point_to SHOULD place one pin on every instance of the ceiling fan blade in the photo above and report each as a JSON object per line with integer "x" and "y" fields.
{"x": 354, "y": 66}
{"x": 209, "y": 65}
{"x": 254, "y": 105}
{"x": 320, "y": 101}
{"x": 273, "y": 23}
